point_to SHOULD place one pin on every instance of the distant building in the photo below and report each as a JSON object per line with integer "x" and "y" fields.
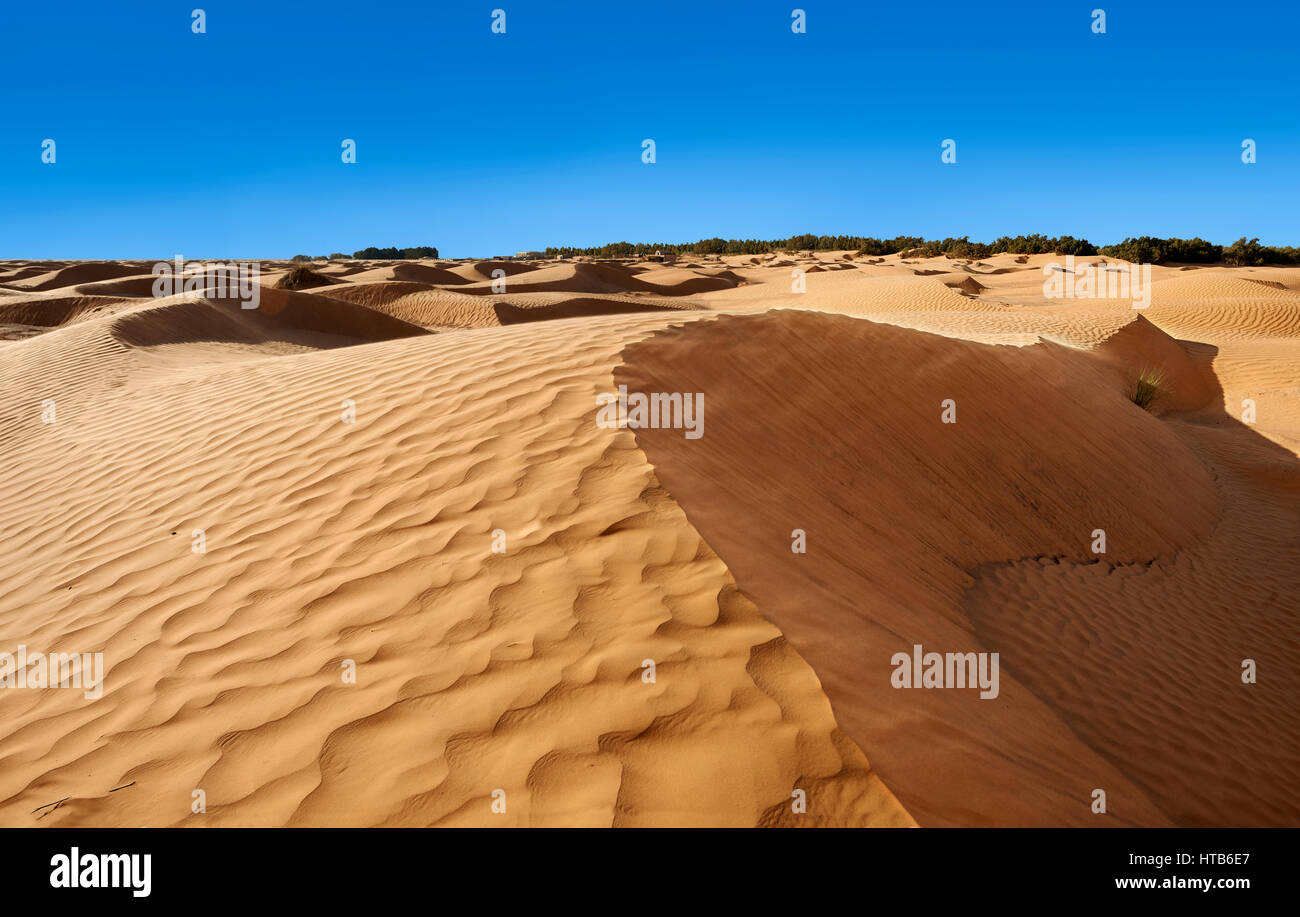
{"x": 666, "y": 257}
{"x": 529, "y": 256}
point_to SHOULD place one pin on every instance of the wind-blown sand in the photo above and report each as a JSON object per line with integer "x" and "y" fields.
{"x": 371, "y": 543}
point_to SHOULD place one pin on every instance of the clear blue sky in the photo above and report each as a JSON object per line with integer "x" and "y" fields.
{"x": 228, "y": 144}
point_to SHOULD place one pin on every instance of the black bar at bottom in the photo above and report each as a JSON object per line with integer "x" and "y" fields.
{"x": 605, "y": 870}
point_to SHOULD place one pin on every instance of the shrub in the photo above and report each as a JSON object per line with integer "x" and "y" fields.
{"x": 303, "y": 278}
{"x": 1147, "y": 388}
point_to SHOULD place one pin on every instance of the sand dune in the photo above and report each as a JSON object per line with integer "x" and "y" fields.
{"x": 902, "y": 506}
{"x": 966, "y": 285}
{"x": 487, "y": 270}
{"x": 587, "y": 277}
{"x": 437, "y": 308}
{"x": 294, "y": 316}
{"x": 88, "y": 272}
{"x": 410, "y": 272}
{"x": 1215, "y": 304}
{"x": 400, "y": 475}
{"x": 51, "y": 311}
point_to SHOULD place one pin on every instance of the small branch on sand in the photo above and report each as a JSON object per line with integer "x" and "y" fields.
{"x": 58, "y": 802}
{"x": 55, "y": 804}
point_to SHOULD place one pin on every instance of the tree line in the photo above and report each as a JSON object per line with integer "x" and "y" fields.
{"x": 377, "y": 254}
{"x": 1139, "y": 250}
{"x": 1143, "y": 249}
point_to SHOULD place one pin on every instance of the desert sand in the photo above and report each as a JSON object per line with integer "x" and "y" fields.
{"x": 497, "y": 569}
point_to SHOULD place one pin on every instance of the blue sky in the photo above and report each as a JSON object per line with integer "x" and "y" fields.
{"x": 227, "y": 144}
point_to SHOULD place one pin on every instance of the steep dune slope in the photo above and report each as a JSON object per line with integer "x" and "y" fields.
{"x": 832, "y": 426}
